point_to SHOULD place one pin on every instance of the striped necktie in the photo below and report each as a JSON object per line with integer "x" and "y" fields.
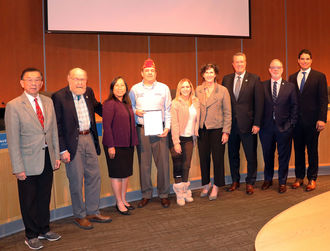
{"x": 274, "y": 91}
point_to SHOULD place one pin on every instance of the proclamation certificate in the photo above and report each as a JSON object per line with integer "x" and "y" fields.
{"x": 153, "y": 123}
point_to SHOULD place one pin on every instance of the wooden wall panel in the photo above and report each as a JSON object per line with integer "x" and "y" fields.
{"x": 20, "y": 43}
{"x": 67, "y": 51}
{"x": 122, "y": 55}
{"x": 308, "y": 28}
{"x": 174, "y": 58}
{"x": 268, "y": 36}
{"x": 10, "y": 209}
{"x": 219, "y": 51}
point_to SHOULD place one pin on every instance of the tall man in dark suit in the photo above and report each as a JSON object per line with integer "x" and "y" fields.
{"x": 75, "y": 107}
{"x": 313, "y": 105}
{"x": 34, "y": 152}
{"x": 247, "y": 100}
{"x": 279, "y": 118}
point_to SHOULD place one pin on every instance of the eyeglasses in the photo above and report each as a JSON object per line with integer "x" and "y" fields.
{"x": 30, "y": 80}
{"x": 276, "y": 67}
{"x": 79, "y": 79}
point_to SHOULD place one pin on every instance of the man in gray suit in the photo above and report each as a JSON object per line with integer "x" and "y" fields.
{"x": 34, "y": 152}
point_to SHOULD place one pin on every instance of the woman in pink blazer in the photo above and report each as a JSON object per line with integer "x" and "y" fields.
{"x": 185, "y": 123}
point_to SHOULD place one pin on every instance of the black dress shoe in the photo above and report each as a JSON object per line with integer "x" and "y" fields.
{"x": 123, "y": 212}
{"x": 130, "y": 207}
{"x": 267, "y": 184}
{"x": 165, "y": 202}
{"x": 282, "y": 188}
{"x": 143, "y": 202}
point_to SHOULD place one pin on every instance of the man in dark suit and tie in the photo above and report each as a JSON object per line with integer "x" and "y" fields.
{"x": 279, "y": 118}
{"x": 34, "y": 152}
{"x": 247, "y": 100}
{"x": 75, "y": 107}
{"x": 311, "y": 87}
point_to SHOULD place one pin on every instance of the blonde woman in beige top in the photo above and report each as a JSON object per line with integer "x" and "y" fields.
{"x": 215, "y": 125}
{"x": 184, "y": 127}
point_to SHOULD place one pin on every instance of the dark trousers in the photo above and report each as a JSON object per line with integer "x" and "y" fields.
{"x": 249, "y": 142}
{"x": 270, "y": 137}
{"x": 306, "y": 136}
{"x": 181, "y": 162}
{"x": 209, "y": 141}
{"x": 34, "y": 198}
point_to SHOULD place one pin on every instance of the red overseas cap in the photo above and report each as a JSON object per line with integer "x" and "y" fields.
{"x": 149, "y": 63}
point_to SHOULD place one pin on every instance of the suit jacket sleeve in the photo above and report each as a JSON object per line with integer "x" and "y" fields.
{"x": 175, "y": 129}
{"x": 60, "y": 121}
{"x": 96, "y": 104}
{"x": 108, "y": 116}
{"x": 258, "y": 102}
{"x": 323, "y": 98}
{"x": 55, "y": 133}
{"x": 13, "y": 138}
{"x": 227, "y": 117}
{"x": 294, "y": 107}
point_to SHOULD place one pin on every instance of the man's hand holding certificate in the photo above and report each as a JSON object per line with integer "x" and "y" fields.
{"x": 153, "y": 123}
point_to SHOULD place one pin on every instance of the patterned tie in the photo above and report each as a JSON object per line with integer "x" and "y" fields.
{"x": 274, "y": 91}
{"x": 237, "y": 87}
{"x": 39, "y": 113}
{"x": 303, "y": 81}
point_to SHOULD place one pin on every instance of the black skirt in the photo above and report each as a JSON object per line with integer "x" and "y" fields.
{"x": 122, "y": 165}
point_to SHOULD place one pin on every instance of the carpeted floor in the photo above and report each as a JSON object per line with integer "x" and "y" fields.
{"x": 232, "y": 222}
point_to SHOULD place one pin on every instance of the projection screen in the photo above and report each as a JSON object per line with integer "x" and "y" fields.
{"x": 185, "y": 17}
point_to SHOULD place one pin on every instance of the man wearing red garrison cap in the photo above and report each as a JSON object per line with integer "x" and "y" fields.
{"x": 151, "y": 95}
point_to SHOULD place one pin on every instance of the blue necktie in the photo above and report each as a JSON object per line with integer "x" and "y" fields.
{"x": 303, "y": 81}
{"x": 274, "y": 91}
{"x": 78, "y": 97}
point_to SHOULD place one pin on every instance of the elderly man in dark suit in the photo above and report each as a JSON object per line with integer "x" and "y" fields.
{"x": 279, "y": 118}
{"x": 34, "y": 152}
{"x": 247, "y": 100}
{"x": 75, "y": 107}
{"x": 313, "y": 105}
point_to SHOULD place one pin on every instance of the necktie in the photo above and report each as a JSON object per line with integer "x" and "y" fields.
{"x": 237, "y": 87}
{"x": 39, "y": 113}
{"x": 78, "y": 97}
{"x": 274, "y": 91}
{"x": 303, "y": 81}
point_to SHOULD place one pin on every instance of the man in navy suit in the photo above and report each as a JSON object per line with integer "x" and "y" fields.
{"x": 311, "y": 87}
{"x": 279, "y": 118}
{"x": 247, "y": 102}
{"x": 75, "y": 107}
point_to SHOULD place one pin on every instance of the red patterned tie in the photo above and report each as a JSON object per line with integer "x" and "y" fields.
{"x": 39, "y": 113}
